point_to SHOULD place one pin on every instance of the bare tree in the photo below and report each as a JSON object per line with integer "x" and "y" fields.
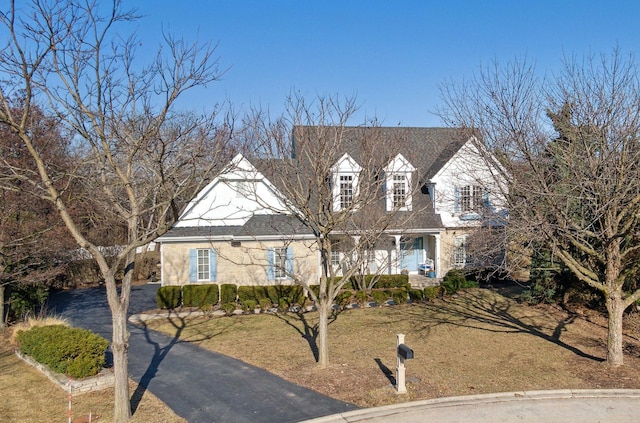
{"x": 140, "y": 157}
{"x": 302, "y": 154}
{"x": 569, "y": 147}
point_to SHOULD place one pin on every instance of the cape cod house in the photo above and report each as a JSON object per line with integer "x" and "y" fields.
{"x": 240, "y": 229}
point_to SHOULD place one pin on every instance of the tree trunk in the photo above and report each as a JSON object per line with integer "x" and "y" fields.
{"x": 615, "y": 308}
{"x": 2, "y": 319}
{"x": 323, "y": 329}
{"x": 120, "y": 349}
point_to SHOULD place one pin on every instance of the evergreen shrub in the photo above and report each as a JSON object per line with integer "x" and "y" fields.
{"x": 431, "y": 292}
{"x": 379, "y": 296}
{"x": 200, "y": 295}
{"x": 169, "y": 297}
{"x": 255, "y": 293}
{"x": 228, "y": 293}
{"x": 399, "y": 296}
{"x": 416, "y": 295}
{"x": 75, "y": 352}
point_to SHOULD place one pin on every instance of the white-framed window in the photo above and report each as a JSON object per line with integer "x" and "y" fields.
{"x": 460, "y": 251}
{"x": 344, "y": 183}
{"x": 202, "y": 265}
{"x": 398, "y": 184}
{"x": 400, "y": 190}
{"x": 471, "y": 198}
{"x": 335, "y": 258}
{"x": 346, "y": 191}
{"x": 279, "y": 262}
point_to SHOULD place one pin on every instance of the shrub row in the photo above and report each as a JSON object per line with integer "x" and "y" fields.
{"x": 395, "y": 287}
{"x": 170, "y": 297}
{"x": 383, "y": 281}
{"x": 75, "y": 352}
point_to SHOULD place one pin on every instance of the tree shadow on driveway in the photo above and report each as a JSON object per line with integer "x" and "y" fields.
{"x": 160, "y": 352}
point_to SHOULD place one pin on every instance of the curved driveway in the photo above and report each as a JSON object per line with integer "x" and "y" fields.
{"x": 199, "y": 385}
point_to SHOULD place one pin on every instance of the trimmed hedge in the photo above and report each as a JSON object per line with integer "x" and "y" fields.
{"x": 200, "y": 295}
{"x": 255, "y": 293}
{"x": 228, "y": 293}
{"x": 75, "y": 352}
{"x": 384, "y": 281}
{"x": 169, "y": 297}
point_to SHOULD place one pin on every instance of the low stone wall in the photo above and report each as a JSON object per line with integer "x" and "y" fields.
{"x": 103, "y": 380}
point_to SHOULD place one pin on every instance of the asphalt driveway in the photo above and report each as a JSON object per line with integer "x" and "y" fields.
{"x": 199, "y": 385}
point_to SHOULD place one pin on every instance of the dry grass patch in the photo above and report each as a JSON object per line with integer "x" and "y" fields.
{"x": 476, "y": 342}
{"x": 28, "y": 396}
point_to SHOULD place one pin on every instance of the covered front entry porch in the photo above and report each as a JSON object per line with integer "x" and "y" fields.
{"x": 413, "y": 254}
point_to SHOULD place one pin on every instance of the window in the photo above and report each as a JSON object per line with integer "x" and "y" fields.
{"x": 279, "y": 271}
{"x": 471, "y": 198}
{"x": 399, "y": 191}
{"x": 202, "y": 264}
{"x": 346, "y": 191}
{"x": 398, "y": 184}
{"x": 460, "y": 251}
{"x": 344, "y": 183}
{"x": 335, "y": 258}
{"x": 279, "y": 262}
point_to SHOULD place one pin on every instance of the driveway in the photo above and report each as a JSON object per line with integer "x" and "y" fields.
{"x": 199, "y": 385}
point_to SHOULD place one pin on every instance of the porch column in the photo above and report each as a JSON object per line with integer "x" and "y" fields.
{"x": 398, "y": 254}
{"x": 436, "y": 259}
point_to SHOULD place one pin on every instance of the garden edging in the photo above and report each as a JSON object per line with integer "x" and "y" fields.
{"x": 103, "y": 380}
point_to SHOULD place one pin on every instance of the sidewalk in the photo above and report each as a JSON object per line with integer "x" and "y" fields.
{"x": 559, "y": 406}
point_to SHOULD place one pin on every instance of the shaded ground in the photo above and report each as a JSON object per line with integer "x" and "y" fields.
{"x": 476, "y": 342}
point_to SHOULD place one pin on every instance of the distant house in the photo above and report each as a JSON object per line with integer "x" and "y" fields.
{"x": 238, "y": 230}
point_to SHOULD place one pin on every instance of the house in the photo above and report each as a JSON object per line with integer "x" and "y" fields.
{"x": 242, "y": 228}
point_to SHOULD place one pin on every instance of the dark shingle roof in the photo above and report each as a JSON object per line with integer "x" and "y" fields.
{"x": 258, "y": 225}
{"x": 427, "y": 149}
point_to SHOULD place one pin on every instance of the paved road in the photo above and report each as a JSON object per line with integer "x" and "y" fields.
{"x": 560, "y": 406}
{"x": 199, "y": 385}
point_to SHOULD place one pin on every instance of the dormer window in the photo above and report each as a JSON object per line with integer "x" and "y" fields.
{"x": 344, "y": 179}
{"x": 398, "y": 184}
{"x": 399, "y": 191}
{"x": 346, "y": 191}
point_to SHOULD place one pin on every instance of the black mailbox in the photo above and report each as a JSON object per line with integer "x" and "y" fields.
{"x": 405, "y": 352}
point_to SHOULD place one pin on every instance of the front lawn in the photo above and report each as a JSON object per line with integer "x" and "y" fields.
{"x": 475, "y": 342}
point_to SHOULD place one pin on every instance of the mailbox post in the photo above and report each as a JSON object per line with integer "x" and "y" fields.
{"x": 404, "y": 353}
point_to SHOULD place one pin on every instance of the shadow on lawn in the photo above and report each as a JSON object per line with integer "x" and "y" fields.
{"x": 478, "y": 310}
{"x": 308, "y": 330}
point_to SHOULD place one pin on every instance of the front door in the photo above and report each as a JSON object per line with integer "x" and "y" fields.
{"x": 411, "y": 254}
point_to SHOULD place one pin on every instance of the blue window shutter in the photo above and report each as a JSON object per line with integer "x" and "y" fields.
{"x": 213, "y": 265}
{"x": 193, "y": 265}
{"x": 289, "y": 260}
{"x": 456, "y": 199}
{"x": 486, "y": 200}
{"x": 271, "y": 261}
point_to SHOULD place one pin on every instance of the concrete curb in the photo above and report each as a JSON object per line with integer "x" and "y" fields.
{"x": 371, "y": 414}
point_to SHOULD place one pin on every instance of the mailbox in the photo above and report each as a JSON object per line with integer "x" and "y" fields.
{"x": 405, "y": 352}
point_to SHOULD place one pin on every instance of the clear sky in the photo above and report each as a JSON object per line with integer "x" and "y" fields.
{"x": 390, "y": 54}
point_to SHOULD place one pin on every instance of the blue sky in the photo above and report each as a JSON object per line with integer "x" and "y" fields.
{"x": 390, "y": 54}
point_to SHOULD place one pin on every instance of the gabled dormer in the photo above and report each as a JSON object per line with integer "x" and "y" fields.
{"x": 398, "y": 192}
{"x": 344, "y": 182}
